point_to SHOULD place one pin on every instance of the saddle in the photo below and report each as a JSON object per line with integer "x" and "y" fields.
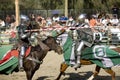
{"x": 116, "y": 49}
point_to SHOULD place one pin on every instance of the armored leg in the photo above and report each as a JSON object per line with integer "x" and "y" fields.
{"x": 21, "y": 56}
{"x": 78, "y": 54}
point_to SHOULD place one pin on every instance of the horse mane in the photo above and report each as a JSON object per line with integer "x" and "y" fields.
{"x": 48, "y": 37}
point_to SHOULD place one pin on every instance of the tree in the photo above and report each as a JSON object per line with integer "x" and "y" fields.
{"x": 6, "y": 4}
{"x": 52, "y": 4}
{"x": 77, "y": 5}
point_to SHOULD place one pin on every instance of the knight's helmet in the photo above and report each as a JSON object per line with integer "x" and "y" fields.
{"x": 24, "y": 21}
{"x": 81, "y": 18}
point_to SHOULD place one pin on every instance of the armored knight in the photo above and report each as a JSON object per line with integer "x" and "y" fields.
{"x": 85, "y": 37}
{"x": 23, "y": 38}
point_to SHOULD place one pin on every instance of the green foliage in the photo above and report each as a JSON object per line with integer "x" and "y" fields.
{"x": 52, "y": 4}
{"x": 5, "y": 5}
{"x": 60, "y": 4}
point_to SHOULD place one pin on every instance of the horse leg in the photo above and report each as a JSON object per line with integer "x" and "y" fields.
{"x": 29, "y": 74}
{"x": 97, "y": 70}
{"x": 111, "y": 72}
{"x": 63, "y": 67}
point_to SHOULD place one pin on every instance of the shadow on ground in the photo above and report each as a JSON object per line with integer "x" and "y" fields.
{"x": 44, "y": 78}
{"x": 80, "y": 76}
{"x": 86, "y": 75}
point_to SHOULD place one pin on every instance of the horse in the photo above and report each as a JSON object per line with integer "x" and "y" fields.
{"x": 87, "y": 61}
{"x": 64, "y": 66}
{"x": 32, "y": 62}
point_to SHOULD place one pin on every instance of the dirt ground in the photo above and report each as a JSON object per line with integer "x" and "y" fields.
{"x": 50, "y": 69}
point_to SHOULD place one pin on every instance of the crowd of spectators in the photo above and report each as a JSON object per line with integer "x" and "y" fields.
{"x": 8, "y": 22}
{"x": 92, "y": 21}
{"x": 56, "y": 20}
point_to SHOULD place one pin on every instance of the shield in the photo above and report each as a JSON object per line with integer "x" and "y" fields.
{"x": 86, "y": 35}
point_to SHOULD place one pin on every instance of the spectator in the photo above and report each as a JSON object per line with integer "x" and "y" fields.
{"x": 39, "y": 19}
{"x": 63, "y": 20}
{"x": 106, "y": 21}
{"x": 92, "y": 22}
{"x": 2, "y": 23}
{"x": 13, "y": 18}
{"x": 71, "y": 21}
{"x": 7, "y": 21}
{"x": 13, "y": 25}
{"x": 114, "y": 21}
{"x": 43, "y": 22}
{"x": 115, "y": 10}
{"x": 56, "y": 18}
{"x": 56, "y": 24}
{"x": 99, "y": 20}
{"x": 32, "y": 17}
{"x": 48, "y": 21}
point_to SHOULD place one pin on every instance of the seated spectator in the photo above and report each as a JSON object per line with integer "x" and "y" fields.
{"x": 92, "y": 23}
{"x": 99, "y": 20}
{"x": 13, "y": 25}
{"x": 63, "y": 20}
{"x": 48, "y": 21}
{"x": 2, "y": 23}
{"x": 56, "y": 18}
{"x": 56, "y": 24}
{"x": 43, "y": 22}
{"x": 71, "y": 21}
{"x": 7, "y": 21}
{"x": 106, "y": 21}
{"x": 114, "y": 21}
{"x": 115, "y": 10}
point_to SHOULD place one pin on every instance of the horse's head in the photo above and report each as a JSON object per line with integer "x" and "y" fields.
{"x": 46, "y": 41}
{"x": 52, "y": 44}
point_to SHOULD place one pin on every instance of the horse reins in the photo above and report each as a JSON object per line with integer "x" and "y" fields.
{"x": 35, "y": 60}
